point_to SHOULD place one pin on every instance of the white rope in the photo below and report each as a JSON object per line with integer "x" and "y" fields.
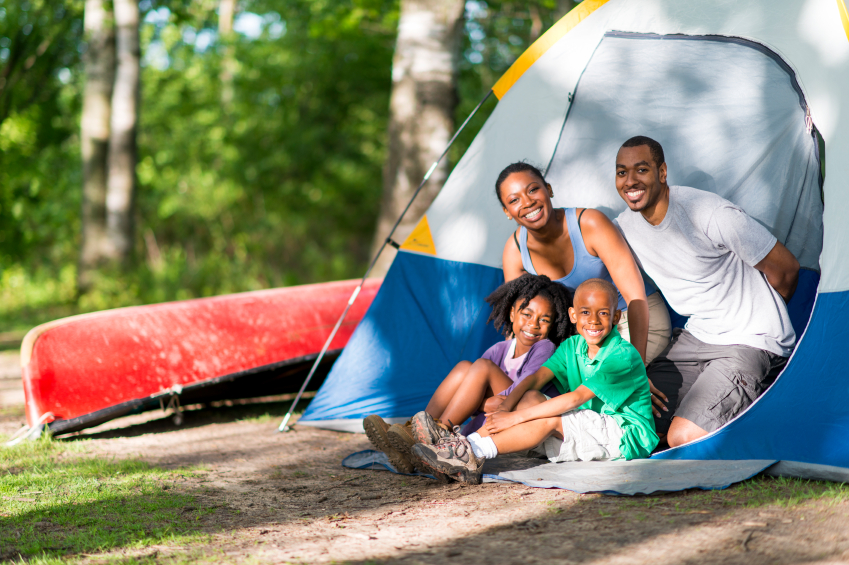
{"x": 27, "y": 432}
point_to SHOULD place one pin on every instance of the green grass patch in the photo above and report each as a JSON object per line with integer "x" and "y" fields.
{"x": 58, "y": 502}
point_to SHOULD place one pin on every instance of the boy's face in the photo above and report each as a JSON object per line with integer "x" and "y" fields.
{"x": 593, "y": 315}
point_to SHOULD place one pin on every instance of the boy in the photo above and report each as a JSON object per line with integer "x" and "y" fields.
{"x": 603, "y": 413}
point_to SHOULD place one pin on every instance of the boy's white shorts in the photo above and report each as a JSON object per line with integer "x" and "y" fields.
{"x": 587, "y": 436}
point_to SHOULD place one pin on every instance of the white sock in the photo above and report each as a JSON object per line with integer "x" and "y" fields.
{"x": 482, "y": 447}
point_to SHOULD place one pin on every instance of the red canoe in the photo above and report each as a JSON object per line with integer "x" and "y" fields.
{"x": 88, "y": 369}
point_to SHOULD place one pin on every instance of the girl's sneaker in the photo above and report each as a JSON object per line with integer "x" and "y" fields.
{"x": 401, "y": 438}
{"x": 428, "y": 431}
{"x": 376, "y": 430}
{"x": 452, "y": 456}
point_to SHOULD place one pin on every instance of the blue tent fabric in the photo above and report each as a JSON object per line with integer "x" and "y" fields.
{"x": 802, "y": 417}
{"x": 429, "y": 315}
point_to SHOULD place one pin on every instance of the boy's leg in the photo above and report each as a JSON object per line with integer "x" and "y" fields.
{"x": 481, "y": 379}
{"x": 526, "y": 435}
{"x": 447, "y": 389}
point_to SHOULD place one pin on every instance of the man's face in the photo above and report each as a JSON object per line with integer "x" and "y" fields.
{"x": 639, "y": 180}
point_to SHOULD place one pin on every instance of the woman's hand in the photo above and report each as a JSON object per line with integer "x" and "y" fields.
{"x": 656, "y": 397}
{"x": 499, "y": 421}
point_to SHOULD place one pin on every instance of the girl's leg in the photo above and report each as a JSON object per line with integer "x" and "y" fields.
{"x": 447, "y": 389}
{"x": 526, "y": 435}
{"x": 483, "y": 379}
{"x": 530, "y": 398}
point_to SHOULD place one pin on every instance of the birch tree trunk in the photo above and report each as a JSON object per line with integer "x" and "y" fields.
{"x": 226, "y": 12}
{"x": 99, "y": 63}
{"x": 121, "y": 185}
{"x": 421, "y": 113}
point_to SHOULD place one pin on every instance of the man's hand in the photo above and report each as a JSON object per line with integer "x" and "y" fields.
{"x": 499, "y": 421}
{"x": 656, "y": 396}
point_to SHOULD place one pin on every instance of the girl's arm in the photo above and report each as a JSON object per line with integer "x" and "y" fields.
{"x": 532, "y": 382}
{"x": 511, "y": 260}
{"x": 500, "y": 421}
{"x": 603, "y": 239}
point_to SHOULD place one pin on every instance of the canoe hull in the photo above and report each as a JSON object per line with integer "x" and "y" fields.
{"x": 88, "y": 369}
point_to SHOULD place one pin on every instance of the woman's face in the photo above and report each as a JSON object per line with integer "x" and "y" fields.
{"x": 526, "y": 199}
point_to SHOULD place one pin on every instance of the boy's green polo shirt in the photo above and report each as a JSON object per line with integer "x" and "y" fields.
{"x": 618, "y": 379}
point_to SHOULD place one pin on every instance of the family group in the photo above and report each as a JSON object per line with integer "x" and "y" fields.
{"x": 590, "y": 369}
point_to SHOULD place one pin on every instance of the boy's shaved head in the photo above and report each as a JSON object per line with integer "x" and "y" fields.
{"x": 602, "y": 285}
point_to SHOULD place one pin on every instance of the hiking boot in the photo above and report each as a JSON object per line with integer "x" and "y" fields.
{"x": 454, "y": 457}
{"x": 376, "y": 430}
{"x": 427, "y": 430}
{"x": 401, "y": 438}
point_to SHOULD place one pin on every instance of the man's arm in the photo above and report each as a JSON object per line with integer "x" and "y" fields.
{"x": 781, "y": 269}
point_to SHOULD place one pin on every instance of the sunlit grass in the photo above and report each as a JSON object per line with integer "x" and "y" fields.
{"x": 58, "y": 502}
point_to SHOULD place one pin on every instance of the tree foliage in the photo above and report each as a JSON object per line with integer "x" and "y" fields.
{"x": 280, "y": 186}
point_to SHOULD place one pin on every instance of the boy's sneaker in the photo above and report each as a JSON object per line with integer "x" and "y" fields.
{"x": 401, "y": 438}
{"x": 427, "y": 430}
{"x": 376, "y": 430}
{"x": 453, "y": 456}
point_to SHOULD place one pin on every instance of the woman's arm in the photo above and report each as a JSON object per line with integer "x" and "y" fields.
{"x": 511, "y": 261}
{"x": 603, "y": 240}
{"x": 500, "y": 421}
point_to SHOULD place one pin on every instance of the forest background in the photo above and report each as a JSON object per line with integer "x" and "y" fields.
{"x": 274, "y": 181}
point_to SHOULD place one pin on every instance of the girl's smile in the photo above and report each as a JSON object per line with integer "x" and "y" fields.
{"x": 531, "y": 323}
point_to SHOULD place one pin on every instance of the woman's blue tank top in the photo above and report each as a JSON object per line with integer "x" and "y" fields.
{"x": 585, "y": 266}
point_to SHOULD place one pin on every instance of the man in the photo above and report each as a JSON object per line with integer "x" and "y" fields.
{"x": 726, "y": 272}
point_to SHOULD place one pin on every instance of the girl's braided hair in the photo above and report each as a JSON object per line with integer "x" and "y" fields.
{"x": 526, "y": 288}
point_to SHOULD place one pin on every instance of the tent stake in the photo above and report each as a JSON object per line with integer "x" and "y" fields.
{"x": 284, "y": 424}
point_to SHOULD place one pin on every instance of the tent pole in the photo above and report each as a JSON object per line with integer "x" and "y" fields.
{"x": 283, "y": 425}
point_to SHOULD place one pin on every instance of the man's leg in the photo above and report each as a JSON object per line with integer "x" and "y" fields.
{"x": 733, "y": 378}
{"x": 482, "y": 378}
{"x": 673, "y": 372}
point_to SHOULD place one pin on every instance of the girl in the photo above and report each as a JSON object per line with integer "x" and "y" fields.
{"x": 533, "y": 312}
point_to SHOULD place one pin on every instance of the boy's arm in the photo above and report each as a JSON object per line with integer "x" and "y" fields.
{"x": 500, "y": 421}
{"x": 532, "y": 382}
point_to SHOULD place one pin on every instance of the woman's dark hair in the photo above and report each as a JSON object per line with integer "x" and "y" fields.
{"x": 526, "y": 288}
{"x": 520, "y": 167}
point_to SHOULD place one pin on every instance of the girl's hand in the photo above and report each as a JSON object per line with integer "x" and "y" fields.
{"x": 493, "y": 404}
{"x": 499, "y": 421}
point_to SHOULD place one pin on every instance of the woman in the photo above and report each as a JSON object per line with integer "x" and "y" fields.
{"x": 571, "y": 245}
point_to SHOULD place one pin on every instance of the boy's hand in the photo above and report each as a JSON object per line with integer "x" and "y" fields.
{"x": 656, "y": 397}
{"x": 499, "y": 421}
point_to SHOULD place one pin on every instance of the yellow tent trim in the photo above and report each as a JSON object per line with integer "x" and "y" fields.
{"x": 844, "y": 16}
{"x": 549, "y": 38}
{"x": 420, "y": 239}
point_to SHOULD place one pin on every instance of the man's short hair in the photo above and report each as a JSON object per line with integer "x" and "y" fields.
{"x": 604, "y": 286}
{"x": 654, "y": 147}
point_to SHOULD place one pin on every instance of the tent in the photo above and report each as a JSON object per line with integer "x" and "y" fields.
{"x": 745, "y": 97}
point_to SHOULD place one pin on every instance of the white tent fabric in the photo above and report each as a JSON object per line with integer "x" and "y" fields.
{"x": 466, "y": 221}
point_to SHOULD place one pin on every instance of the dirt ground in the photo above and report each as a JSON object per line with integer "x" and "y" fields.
{"x": 285, "y": 498}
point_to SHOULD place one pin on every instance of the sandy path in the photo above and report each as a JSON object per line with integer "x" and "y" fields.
{"x": 284, "y": 498}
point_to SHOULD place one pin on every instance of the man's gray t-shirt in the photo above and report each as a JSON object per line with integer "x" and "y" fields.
{"x": 702, "y": 257}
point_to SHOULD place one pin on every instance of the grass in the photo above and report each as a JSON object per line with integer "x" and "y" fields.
{"x": 56, "y": 503}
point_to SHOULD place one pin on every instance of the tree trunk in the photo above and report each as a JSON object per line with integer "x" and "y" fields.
{"x": 122, "y": 139}
{"x": 99, "y": 63}
{"x": 421, "y": 113}
{"x": 226, "y": 12}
